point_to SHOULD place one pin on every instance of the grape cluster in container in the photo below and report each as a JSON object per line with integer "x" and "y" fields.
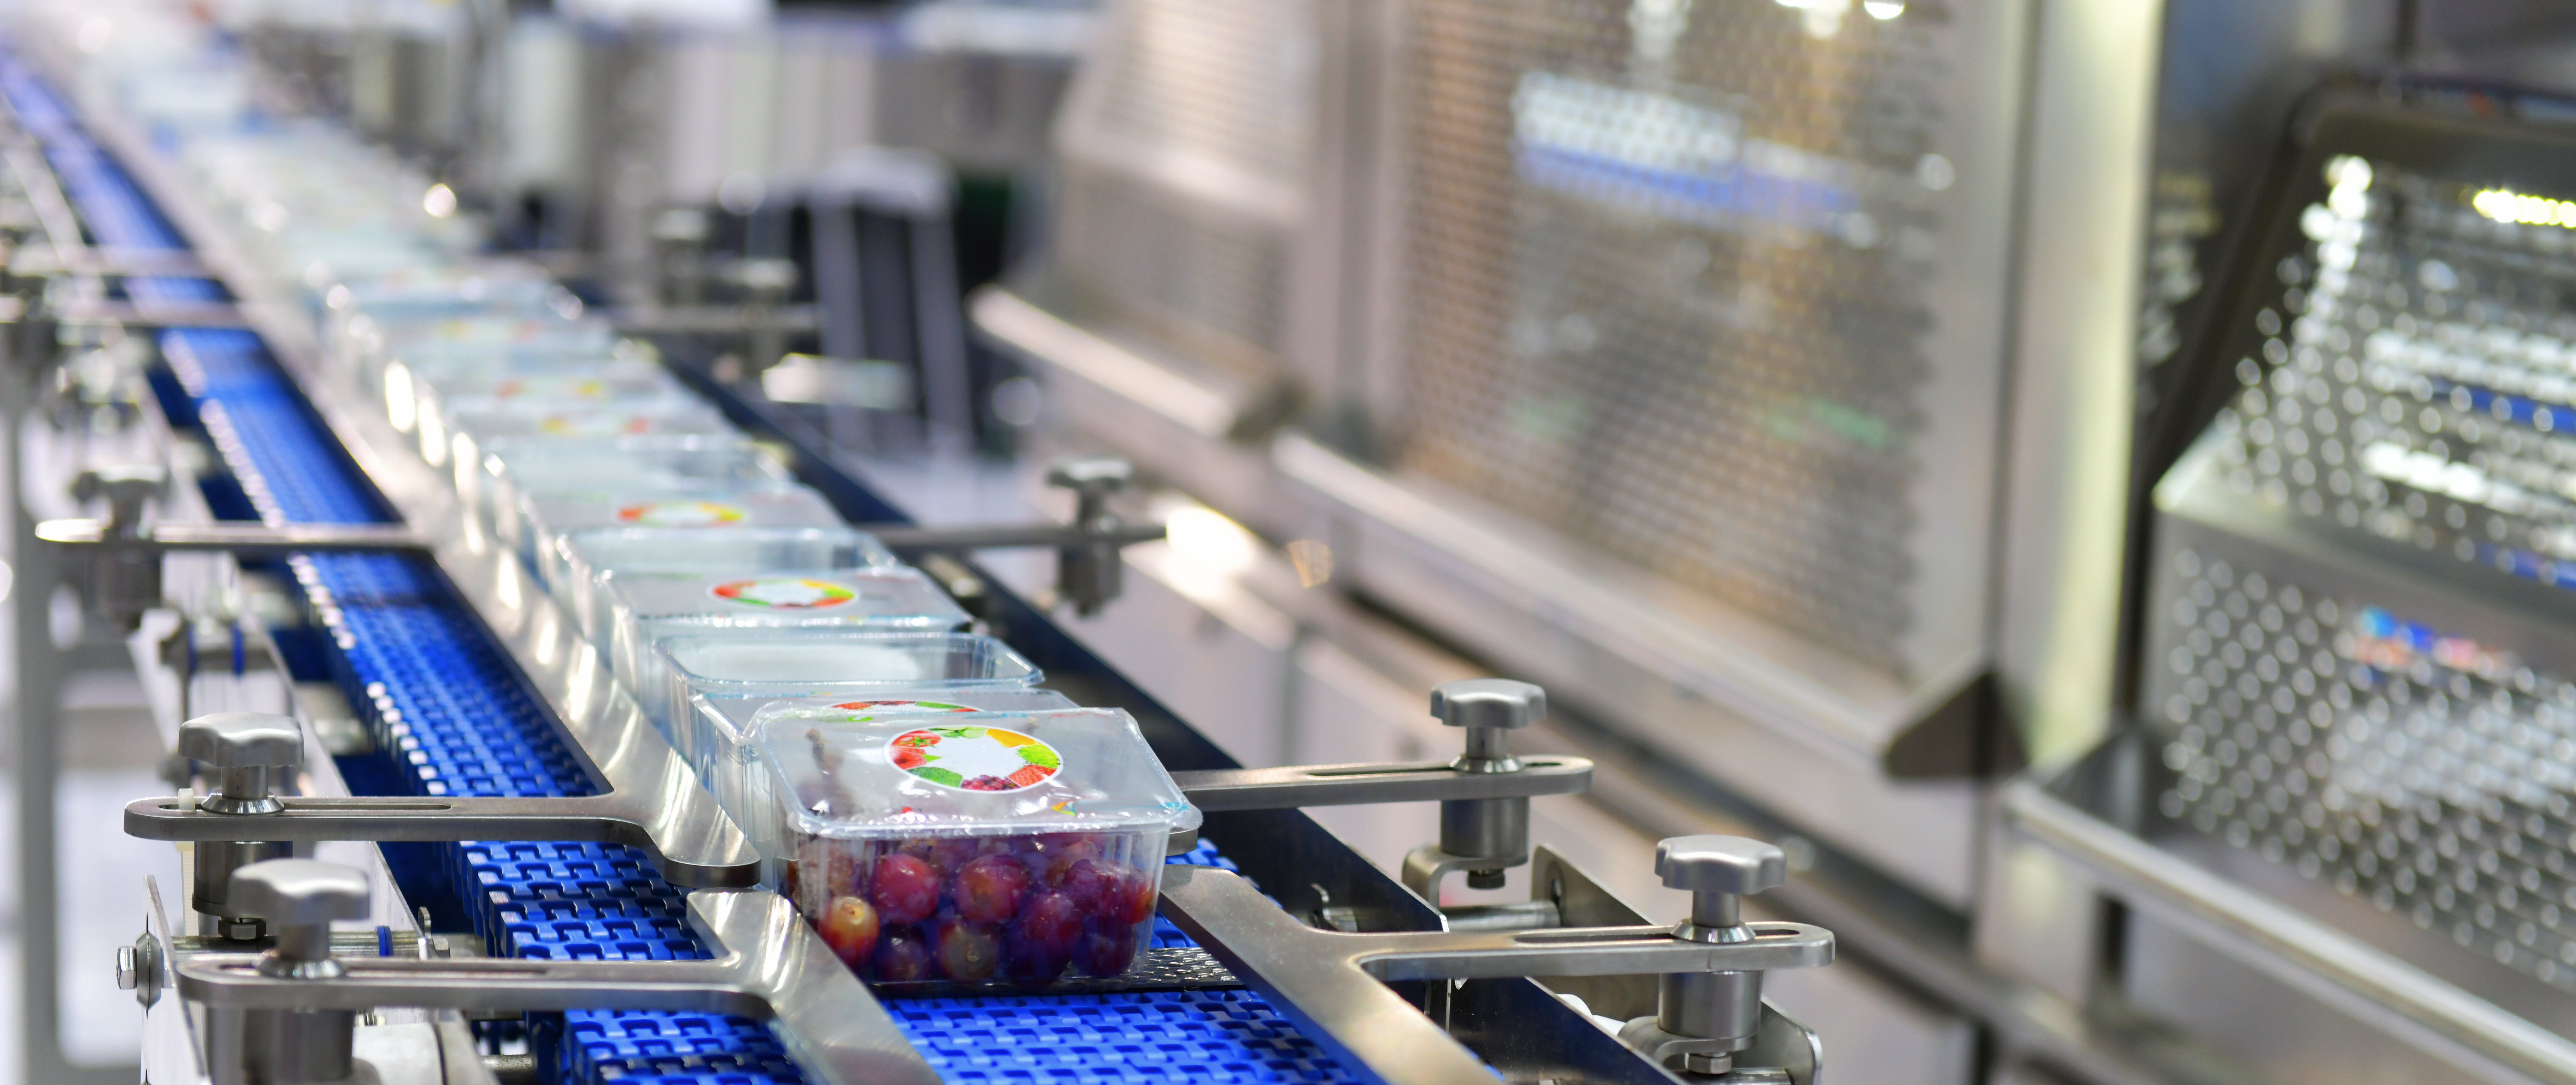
{"x": 976, "y": 848}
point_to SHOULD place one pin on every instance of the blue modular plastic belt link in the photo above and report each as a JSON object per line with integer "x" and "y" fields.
{"x": 448, "y": 707}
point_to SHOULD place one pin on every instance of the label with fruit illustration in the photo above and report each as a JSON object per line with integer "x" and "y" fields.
{"x": 973, "y": 758}
{"x": 680, "y": 514}
{"x": 902, "y": 706}
{"x": 784, "y": 593}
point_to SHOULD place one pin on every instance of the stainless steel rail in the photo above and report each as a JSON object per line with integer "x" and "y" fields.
{"x": 2289, "y": 946}
{"x": 262, "y": 540}
{"x": 1352, "y": 785}
{"x": 645, "y": 783}
{"x": 773, "y": 966}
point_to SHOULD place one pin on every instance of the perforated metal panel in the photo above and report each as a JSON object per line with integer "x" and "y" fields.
{"x": 1187, "y": 149}
{"x": 2395, "y": 762}
{"x": 1665, "y": 288}
{"x": 2408, "y": 390}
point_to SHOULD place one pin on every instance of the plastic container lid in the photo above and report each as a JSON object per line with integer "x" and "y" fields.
{"x": 848, "y": 665}
{"x": 543, "y": 518}
{"x": 587, "y": 557}
{"x": 904, "y": 775}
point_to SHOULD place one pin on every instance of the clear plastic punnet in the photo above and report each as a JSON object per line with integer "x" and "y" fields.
{"x": 541, "y": 520}
{"x": 587, "y": 557}
{"x": 986, "y": 849}
{"x": 728, "y": 760}
{"x": 413, "y": 392}
{"x": 753, "y": 669}
{"x": 483, "y": 428}
{"x": 646, "y": 608}
{"x": 498, "y": 476}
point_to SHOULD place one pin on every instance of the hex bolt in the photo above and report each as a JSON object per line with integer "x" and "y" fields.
{"x": 248, "y": 748}
{"x": 1090, "y": 575}
{"x": 1490, "y": 709}
{"x": 299, "y": 899}
{"x": 129, "y": 969}
{"x": 1719, "y": 871}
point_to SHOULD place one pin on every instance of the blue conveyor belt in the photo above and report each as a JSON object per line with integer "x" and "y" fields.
{"x": 445, "y": 703}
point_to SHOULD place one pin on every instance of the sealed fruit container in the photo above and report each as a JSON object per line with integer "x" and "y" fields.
{"x": 646, "y": 608}
{"x": 753, "y": 668}
{"x": 588, "y": 558}
{"x": 479, "y": 429}
{"x": 503, "y": 473}
{"x": 729, "y": 761}
{"x": 542, "y": 520}
{"x": 986, "y": 849}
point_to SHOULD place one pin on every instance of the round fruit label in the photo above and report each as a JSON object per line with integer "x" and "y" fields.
{"x": 973, "y": 758}
{"x": 785, "y": 593}
{"x": 563, "y": 425}
{"x": 680, "y": 514}
{"x": 899, "y": 707}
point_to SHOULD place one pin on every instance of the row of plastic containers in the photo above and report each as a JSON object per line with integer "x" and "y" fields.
{"x": 938, "y": 816}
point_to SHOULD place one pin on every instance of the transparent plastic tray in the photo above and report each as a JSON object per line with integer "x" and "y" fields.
{"x": 646, "y": 608}
{"x": 756, "y": 668}
{"x": 993, "y": 848}
{"x": 541, "y": 520}
{"x": 719, "y": 730}
{"x": 588, "y": 556}
{"x": 504, "y": 472}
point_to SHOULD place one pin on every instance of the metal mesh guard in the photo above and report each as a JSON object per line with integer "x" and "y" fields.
{"x": 1663, "y": 289}
{"x": 2413, "y": 383}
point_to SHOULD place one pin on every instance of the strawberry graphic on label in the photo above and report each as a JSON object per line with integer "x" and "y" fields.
{"x": 974, "y": 758}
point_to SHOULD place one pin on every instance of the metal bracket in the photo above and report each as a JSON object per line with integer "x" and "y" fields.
{"x": 259, "y": 540}
{"x": 1005, "y": 536}
{"x": 1333, "y": 984}
{"x": 1358, "y": 784}
{"x": 773, "y": 966}
{"x": 698, "y": 855}
{"x": 1426, "y": 865}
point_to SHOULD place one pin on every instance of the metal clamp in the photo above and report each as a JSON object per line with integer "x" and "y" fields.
{"x": 1703, "y": 1018}
{"x": 714, "y": 855}
{"x": 1482, "y": 836}
{"x": 1089, "y": 571}
{"x": 1332, "y": 983}
{"x": 1483, "y": 793}
{"x": 772, "y": 965}
{"x": 249, "y": 749}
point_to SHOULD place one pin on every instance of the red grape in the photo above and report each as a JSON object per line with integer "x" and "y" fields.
{"x": 1106, "y": 949}
{"x": 1042, "y": 941}
{"x": 849, "y": 926}
{"x": 903, "y": 955}
{"x": 969, "y": 951}
{"x": 1129, "y": 898}
{"x": 1064, "y": 851}
{"x": 988, "y": 889}
{"x": 904, "y": 888}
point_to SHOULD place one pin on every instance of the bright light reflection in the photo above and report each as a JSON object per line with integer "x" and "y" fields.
{"x": 439, "y": 201}
{"x": 1209, "y": 543}
{"x": 1883, "y": 10}
{"x": 2503, "y": 206}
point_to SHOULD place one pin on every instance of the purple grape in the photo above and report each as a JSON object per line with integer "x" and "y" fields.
{"x": 1106, "y": 948}
{"x": 969, "y": 951}
{"x": 988, "y": 889}
{"x": 904, "y": 888}
{"x": 1043, "y": 940}
{"x": 903, "y": 955}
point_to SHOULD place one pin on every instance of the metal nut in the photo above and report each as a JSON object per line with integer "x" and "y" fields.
{"x": 128, "y": 970}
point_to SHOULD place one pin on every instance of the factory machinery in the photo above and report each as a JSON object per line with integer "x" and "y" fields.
{"x": 2080, "y": 514}
{"x": 440, "y": 818}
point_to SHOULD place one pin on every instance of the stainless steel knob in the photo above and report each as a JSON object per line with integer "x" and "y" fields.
{"x": 1090, "y": 575}
{"x": 125, "y": 488}
{"x": 1716, "y": 1013}
{"x": 1720, "y": 864}
{"x": 1490, "y": 709}
{"x": 299, "y": 898}
{"x": 248, "y": 747}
